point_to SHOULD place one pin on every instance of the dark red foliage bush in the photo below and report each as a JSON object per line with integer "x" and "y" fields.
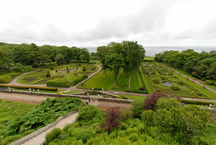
{"x": 113, "y": 119}
{"x": 151, "y": 100}
{"x": 142, "y": 89}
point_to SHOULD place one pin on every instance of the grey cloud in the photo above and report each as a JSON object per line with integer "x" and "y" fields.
{"x": 18, "y": 31}
{"x": 149, "y": 19}
{"x": 51, "y": 33}
{"x": 208, "y": 31}
{"x": 185, "y": 34}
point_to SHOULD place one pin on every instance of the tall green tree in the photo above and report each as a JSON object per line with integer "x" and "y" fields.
{"x": 20, "y": 54}
{"x": 133, "y": 56}
{"x": 85, "y": 55}
{"x": 34, "y": 55}
{"x": 115, "y": 59}
{"x": 212, "y": 71}
{"x": 67, "y": 53}
{"x": 5, "y": 61}
{"x": 59, "y": 59}
{"x": 101, "y": 54}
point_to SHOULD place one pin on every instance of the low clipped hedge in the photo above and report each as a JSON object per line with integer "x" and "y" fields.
{"x": 27, "y": 87}
{"x": 8, "y": 77}
{"x": 58, "y": 83}
{"x": 196, "y": 102}
{"x": 209, "y": 82}
{"x": 79, "y": 80}
{"x": 141, "y": 92}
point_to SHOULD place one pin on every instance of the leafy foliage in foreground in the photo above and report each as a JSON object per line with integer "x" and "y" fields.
{"x": 168, "y": 124}
{"x": 45, "y": 113}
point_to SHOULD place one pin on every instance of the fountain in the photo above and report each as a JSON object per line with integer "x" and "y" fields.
{"x": 169, "y": 84}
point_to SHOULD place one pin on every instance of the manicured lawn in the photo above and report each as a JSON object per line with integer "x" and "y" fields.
{"x": 149, "y": 58}
{"x": 135, "y": 98}
{"x": 99, "y": 81}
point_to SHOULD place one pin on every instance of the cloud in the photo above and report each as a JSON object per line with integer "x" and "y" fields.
{"x": 208, "y": 31}
{"x": 149, "y": 19}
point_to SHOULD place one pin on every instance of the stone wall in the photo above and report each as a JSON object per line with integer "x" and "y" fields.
{"x": 114, "y": 99}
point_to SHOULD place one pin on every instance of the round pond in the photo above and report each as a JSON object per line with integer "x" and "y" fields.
{"x": 169, "y": 84}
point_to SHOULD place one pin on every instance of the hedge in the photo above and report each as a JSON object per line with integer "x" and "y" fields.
{"x": 196, "y": 102}
{"x": 8, "y": 77}
{"x": 141, "y": 92}
{"x": 146, "y": 82}
{"x": 27, "y": 87}
{"x": 79, "y": 80}
{"x": 209, "y": 82}
{"x": 58, "y": 83}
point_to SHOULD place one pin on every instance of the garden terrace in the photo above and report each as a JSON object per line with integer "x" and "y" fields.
{"x": 157, "y": 73}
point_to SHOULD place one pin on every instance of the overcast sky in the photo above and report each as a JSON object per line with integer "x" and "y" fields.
{"x": 99, "y": 22}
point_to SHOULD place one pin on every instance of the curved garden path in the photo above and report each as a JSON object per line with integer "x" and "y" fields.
{"x": 15, "y": 82}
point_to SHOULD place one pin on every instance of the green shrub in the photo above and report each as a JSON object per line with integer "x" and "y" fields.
{"x": 196, "y": 102}
{"x": 209, "y": 82}
{"x": 79, "y": 80}
{"x": 214, "y": 83}
{"x": 84, "y": 135}
{"x": 88, "y": 112}
{"x": 137, "y": 109}
{"x": 52, "y": 135}
{"x": 163, "y": 77}
{"x": 9, "y": 139}
{"x": 156, "y": 80}
{"x": 133, "y": 136}
{"x": 84, "y": 69}
{"x": 5, "y": 78}
{"x": 58, "y": 83}
{"x": 93, "y": 92}
{"x": 175, "y": 88}
{"x": 35, "y": 65}
{"x": 48, "y": 74}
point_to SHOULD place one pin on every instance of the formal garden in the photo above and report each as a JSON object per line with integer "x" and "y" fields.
{"x": 69, "y": 75}
{"x": 163, "y": 79}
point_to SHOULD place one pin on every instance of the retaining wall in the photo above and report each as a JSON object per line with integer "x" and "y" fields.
{"x": 114, "y": 99}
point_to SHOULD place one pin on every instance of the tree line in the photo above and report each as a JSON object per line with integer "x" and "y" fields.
{"x": 127, "y": 55}
{"x": 31, "y": 54}
{"x": 200, "y": 65}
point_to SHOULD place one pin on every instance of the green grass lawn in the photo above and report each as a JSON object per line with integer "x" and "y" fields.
{"x": 135, "y": 98}
{"x": 149, "y": 58}
{"x": 99, "y": 81}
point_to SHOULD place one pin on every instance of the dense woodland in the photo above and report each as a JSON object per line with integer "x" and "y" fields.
{"x": 200, "y": 65}
{"x": 31, "y": 54}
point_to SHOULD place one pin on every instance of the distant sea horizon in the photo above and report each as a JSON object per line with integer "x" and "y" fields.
{"x": 152, "y": 50}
